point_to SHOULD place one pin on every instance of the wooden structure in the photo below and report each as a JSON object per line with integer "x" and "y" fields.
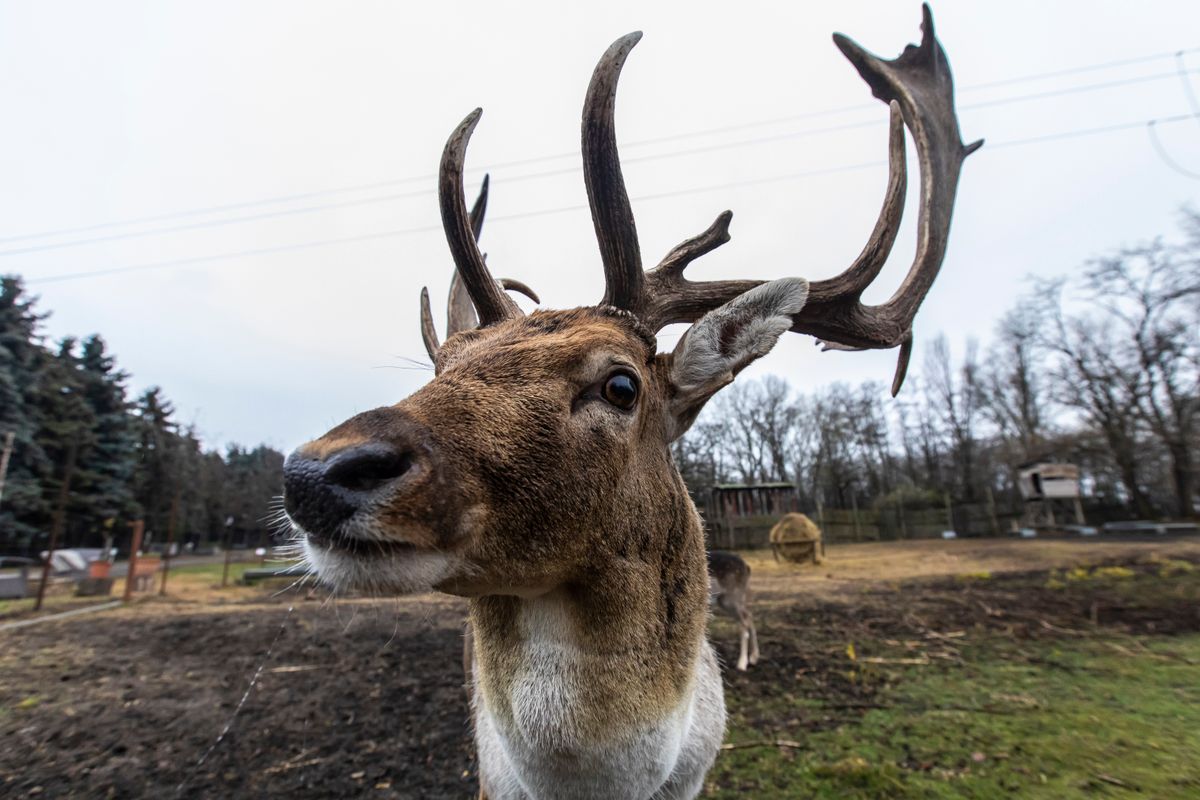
{"x": 797, "y": 539}
{"x": 741, "y": 515}
{"x": 15, "y": 585}
{"x": 1045, "y": 485}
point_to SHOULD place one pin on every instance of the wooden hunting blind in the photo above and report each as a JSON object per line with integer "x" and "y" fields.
{"x": 1043, "y": 484}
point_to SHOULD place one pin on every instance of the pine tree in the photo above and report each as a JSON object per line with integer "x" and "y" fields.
{"x": 64, "y": 421}
{"x": 104, "y": 489}
{"x": 21, "y": 362}
{"x": 156, "y": 475}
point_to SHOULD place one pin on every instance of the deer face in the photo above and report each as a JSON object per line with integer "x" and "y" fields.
{"x": 494, "y": 477}
{"x": 540, "y": 446}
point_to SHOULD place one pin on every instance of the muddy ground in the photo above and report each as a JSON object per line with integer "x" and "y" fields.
{"x": 360, "y": 698}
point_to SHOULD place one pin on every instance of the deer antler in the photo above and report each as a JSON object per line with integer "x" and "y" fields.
{"x": 491, "y": 303}
{"x": 612, "y": 215}
{"x": 919, "y": 91}
{"x": 460, "y": 310}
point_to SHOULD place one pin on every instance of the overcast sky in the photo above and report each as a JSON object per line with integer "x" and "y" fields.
{"x": 122, "y": 111}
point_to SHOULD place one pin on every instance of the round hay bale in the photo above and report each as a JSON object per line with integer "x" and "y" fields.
{"x": 796, "y": 538}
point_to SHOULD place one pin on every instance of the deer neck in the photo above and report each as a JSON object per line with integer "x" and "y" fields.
{"x": 607, "y": 655}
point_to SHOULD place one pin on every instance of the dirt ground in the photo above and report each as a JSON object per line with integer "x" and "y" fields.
{"x": 364, "y": 698}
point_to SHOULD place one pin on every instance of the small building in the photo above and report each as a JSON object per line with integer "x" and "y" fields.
{"x": 1045, "y": 485}
{"x": 1043, "y": 480}
{"x": 740, "y": 515}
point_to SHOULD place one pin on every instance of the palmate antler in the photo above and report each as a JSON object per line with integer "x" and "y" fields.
{"x": 919, "y": 91}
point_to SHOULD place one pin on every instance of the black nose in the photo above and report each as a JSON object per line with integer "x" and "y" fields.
{"x": 320, "y": 495}
{"x": 367, "y": 467}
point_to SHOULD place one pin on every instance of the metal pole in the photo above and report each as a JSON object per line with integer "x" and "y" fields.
{"x": 162, "y": 589}
{"x": 60, "y": 514}
{"x": 8, "y": 448}
{"x": 139, "y": 527}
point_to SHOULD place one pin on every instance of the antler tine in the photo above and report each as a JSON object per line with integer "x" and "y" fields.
{"x": 858, "y": 276}
{"x": 460, "y": 311}
{"x": 479, "y": 209}
{"x": 612, "y": 215}
{"x": 514, "y": 285}
{"x": 428, "y": 332}
{"x": 490, "y": 301}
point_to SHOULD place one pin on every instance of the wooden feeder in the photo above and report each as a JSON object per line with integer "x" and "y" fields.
{"x": 797, "y": 539}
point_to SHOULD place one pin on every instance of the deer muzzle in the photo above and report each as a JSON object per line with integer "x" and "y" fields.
{"x": 375, "y": 479}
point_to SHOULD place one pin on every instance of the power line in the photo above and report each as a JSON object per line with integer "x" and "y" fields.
{"x": 760, "y": 140}
{"x": 1161, "y": 150}
{"x": 1190, "y": 95}
{"x": 298, "y": 196}
{"x": 190, "y": 261}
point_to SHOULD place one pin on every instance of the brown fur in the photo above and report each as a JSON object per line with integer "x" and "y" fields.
{"x": 539, "y": 485}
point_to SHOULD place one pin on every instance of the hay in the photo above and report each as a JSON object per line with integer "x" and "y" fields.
{"x": 796, "y": 538}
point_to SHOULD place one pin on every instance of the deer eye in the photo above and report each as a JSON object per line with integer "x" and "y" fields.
{"x": 621, "y": 390}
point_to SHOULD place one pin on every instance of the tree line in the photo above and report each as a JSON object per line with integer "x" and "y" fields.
{"x": 1102, "y": 370}
{"x": 68, "y": 407}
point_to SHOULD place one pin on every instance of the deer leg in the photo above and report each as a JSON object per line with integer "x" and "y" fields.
{"x": 745, "y": 641}
{"x": 753, "y": 638}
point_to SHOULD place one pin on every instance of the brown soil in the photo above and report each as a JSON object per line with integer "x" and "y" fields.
{"x": 362, "y": 698}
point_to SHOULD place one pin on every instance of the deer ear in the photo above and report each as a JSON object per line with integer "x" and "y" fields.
{"x": 725, "y": 341}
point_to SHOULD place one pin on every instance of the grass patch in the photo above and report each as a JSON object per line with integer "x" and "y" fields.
{"x": 213, "y": 572}
{"x": 1045, "y": 719}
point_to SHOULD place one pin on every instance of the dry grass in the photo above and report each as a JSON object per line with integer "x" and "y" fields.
{"x": 851, "y": 566}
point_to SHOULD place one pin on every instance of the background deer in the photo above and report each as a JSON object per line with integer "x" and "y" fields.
{"x": 729, "y": 587}
{"x": 533, "y": 476}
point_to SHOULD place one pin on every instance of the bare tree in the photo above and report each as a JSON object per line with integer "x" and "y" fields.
{"x": 1088, "y": 375}
{"x": 958, "y": 400}
{"x": 1015, "y": 383}
{"x": 1147, "y": 295}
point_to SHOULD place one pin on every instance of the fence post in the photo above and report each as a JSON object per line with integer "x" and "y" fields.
{"x": 60, "y": 515}
{"x": 162, "y": 590}
{"x": 949, "y": 512}
{"x": 854, "y": 512}
{"x": 139, "y": 528}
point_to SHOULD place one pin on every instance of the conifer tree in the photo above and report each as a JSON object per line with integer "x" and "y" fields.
{"x": 21, "y": 361}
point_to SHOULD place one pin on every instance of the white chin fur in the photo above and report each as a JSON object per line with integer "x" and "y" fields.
{"x": 401, "y": 573}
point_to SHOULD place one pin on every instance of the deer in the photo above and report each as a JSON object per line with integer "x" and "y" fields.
{"x": 532, "y": 474}
{"x": 729, "y": 590}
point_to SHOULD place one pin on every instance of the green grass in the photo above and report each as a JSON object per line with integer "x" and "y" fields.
{"x": 213, "y": 572}
{"x": 1101, "y": 717}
